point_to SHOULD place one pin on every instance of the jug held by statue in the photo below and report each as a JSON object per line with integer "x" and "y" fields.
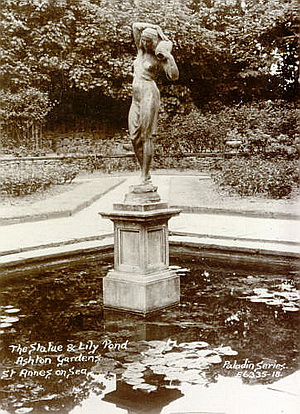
{"x": 163, "y": 49}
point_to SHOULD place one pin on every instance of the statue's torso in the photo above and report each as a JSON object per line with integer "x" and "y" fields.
{"x": 145, "y": 67}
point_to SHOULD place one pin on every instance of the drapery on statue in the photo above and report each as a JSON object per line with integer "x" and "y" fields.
{"x": 154, "y": 56}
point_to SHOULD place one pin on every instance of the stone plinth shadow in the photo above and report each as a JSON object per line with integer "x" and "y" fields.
{"x": 141, "y": 280}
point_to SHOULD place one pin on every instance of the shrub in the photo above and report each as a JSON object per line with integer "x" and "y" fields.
{"x": 109, "y": 165}
{"x": 190, "y": 133}
{"x": 19, "y": 180}
{"x": 270, "y": 128}
{"x": 254, "y": 176}
{"x": 23, "y": 114}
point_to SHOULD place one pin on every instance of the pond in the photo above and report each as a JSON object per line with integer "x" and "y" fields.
{"x": 61, "y": 351}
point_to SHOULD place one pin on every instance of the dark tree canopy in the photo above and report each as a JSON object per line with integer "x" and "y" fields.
{"x": 57, "y": 53}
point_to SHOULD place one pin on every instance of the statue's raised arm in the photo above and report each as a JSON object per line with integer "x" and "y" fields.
{"x": 154, "y": 55}
{"x": 138, "y": 28}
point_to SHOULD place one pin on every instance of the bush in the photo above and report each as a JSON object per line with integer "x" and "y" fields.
{"x": 190, "y": 133}
{"x": 270, "y": 128}
{"x": 23, "y": 114}
{"x": 19, "y": 180}
{"x": 256, "y": 142}
{"x": 254, "y": 176}
{"x": 109, "y": 165}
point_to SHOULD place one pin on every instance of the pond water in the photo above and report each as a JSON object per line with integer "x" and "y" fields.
{"x": 61, "y": 351}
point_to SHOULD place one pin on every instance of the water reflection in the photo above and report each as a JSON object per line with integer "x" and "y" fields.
{"x": 218, "y": 326}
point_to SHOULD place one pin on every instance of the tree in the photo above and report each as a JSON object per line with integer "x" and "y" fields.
{"x": 82, "y": 51}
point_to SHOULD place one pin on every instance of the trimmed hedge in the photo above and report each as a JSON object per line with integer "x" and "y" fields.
{"x": 253, "y": 176}
{"x": 24, "y": 179}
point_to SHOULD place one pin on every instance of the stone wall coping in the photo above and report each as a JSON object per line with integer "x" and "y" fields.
{"x": 64, "y": 157}
{"x": 61, "y": 157}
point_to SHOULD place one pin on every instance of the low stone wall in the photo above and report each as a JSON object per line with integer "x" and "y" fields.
{"x": 111, "y": 162}
{"x": 84, "y": 160}
{"x": 60, "y": 158}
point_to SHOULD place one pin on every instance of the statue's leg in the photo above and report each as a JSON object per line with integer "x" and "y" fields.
{"x": 134, "y": 127}
{"x": 148, "y": 113}
{"x": 148, "y": 155}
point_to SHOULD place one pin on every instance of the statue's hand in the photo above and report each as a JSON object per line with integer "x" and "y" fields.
{"x": 161, "y": 33}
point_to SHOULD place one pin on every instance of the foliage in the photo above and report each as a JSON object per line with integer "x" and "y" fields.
{"x": 22, "y": 113}
{"x": 79, "y": 54}
{"x": 269, "y": 128}
{"x": 253, "y": 176}
{"x": 194, "y": 132}
{"x": 23, "y": 179}
{"x": 109, "y": 165}
{"x": 257, "y": 142}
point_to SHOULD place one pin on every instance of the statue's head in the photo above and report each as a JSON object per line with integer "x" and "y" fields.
{"x": 149, "y": 40}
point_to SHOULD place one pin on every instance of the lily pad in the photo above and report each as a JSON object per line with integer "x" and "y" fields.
{"x": 288, "y": 295}
{"x": 205, "y": 352}
{"x": 154, "y": 352}
{"x": 226, "y": 350}
{"x": 118, "y": 371}
{"x": 159, "y": 369}
{"x": 145, "y": 387}
{"x": 214, "y": 359}
{"x": 137, "y": 366}
{"x": 154, "y": 361}
{"x": 260, "y": 291}
{"x": 132, "y": 374}
{"x": 257, "y": 299}
{"x": 13, "y": 310}
{"x": 171, "y": 386}
{"x": 172, "y": 376}
{"x": 24, "y": 410}
{"x": 290, "y": 309}
{"x": 133, "y": 358}
{"x": 154, "y": 343}
{"x": 191, "y": 356}
{"x": 193, "y": 345}
{"x": 49, "y": 397}
{"x": 289, "y": 305}
{"x": 274, "y": 302}
{"x": 134, "y": 381}
{"x": 173, "y": 356}
{"x": 177, "y": 363}
{"x": 9, "y": 319}
{"x": 285, "y": 298}
{"x": 5, "y": 324}
{"x": 200, "y": 364}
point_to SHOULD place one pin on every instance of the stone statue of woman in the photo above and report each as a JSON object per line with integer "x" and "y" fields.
{"x": 154, "y": 55}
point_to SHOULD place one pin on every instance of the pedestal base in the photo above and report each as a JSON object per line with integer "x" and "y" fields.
{"x": 137, "y": 293}
{"x": 142, "y": 194}
{"x": 141, "y": 281}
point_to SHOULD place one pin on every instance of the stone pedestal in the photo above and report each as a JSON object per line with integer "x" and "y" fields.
{"x": 141, "y": 280}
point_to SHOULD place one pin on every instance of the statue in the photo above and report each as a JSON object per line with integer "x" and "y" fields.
{"x": 154, "y": 55}
{"x": 141, "y": 273}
